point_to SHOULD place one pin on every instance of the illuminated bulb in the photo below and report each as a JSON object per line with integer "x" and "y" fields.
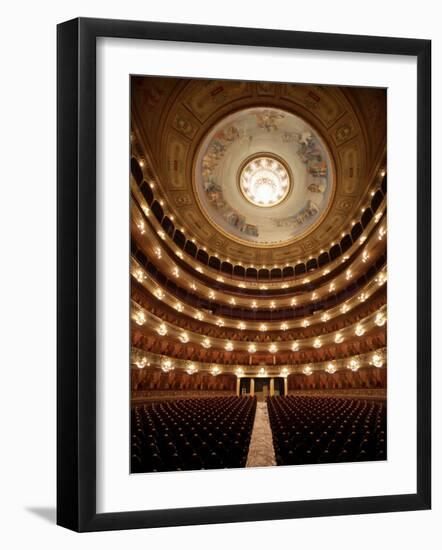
{"x": 353, "y": 365}
{"x": 272, "y": 305}
{"x": 362, "y": 239}
{"x": 345, "y": 308}
{"x": 162, "y": 235}
{"x": 382, "y": 279}
{"x": 314, "y": 296}
{"x": 376, "y": 360}
{"x": 325, "y": 317}
{"x": 193, "y": 286}
{"x": 239, "y": 372}
{"x": 305, "y": 323}
{"x": 293, "y": 302}
{"x": 363, "y": 297}
{"x": 206, "y": 343}
{"x": 348, "y": 274}
{"x": 219, "y": 322}
{"x": 200, "y": 269}
{"x": 141, "y": 227}
{"x": 330, "y": 368}
{"x": 139, "y": 318}
{"x": 157, "y": 252}
{"x": 295, "y": 346}
{"x": 162, "y": 330}
{"x": 317, "y": 343}
{"x": 232, "y": 301}
{"x": 284, "y": 372}
{"x": 365, "y": 256}
{"x": 220, "y": 279}
{"x": 179, "y": 307}
{"x": 383, "y": 172}
{"x": 179, "y": 254}
{"x": 184, "y": 337}
{"x": 359, "y": 330}
{"x": 251, "y": 348}
{"x": 158, "y": 293}
{"x": 339, "y": 338}
{"x": 229, "y": 346}
{"x": 307, "y": 371}
{"x": 263, "y": 287}
{"x": 380, "y": 320}
{"x": 141, "y": 363}
{"x": 241, "y": 325}
{"x": 382, "y": 233}
{"x": 146, "y": 210}
{"x": 242, "y": 285}
{"x": 263, "y": 327}
{"x": 139, "y": 275}
{"x": 167, "y": 365}
{"x": 378, "y": 217}
{"x": 284, "y": 326}
{"x": 332, "y": 287}
{"x": 254, "y": 304}
{"x": 214, "y": 371}
{"x": 176, "y": 272}
{"x": 191, "y": 369}
{"x": 262, "y": 372}
{"x": 211, "y": 295}
{"x": 305, "y": 281}
{"x": 284, "y": 285}
{"x": 199, "y": 316}
{"x": 273, "y": 348}
{"x": 326, "y": 272}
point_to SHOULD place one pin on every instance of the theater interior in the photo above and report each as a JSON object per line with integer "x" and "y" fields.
{"x": 258, "y": 274}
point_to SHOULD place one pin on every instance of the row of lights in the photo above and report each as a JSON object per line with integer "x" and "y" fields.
{"x": 354, "y": 364}
{"x": 377, "y": 217}
{"x": 140, "y": 276}
{"x": 381, "y": 234}
{"x": 349, "y": 274}
{"x": 183, "y": 337}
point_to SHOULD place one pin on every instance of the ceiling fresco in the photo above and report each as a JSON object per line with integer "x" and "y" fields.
{"x": 198, "y": 135}
{"x": 285, "y": 166}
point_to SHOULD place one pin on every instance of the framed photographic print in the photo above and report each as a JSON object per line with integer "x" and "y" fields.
{"x": 227, "y": 347}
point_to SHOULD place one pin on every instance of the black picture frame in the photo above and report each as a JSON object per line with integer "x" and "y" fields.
{"x": 76, "y": 274}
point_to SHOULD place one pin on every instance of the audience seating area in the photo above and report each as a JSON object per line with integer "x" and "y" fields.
{"x": 192, "y": 434}
{"x": 320, "y": 430}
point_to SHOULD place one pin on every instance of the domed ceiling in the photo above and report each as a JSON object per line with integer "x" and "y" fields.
{"x": 263, "y": 176}
{"x": 259, "y": 172}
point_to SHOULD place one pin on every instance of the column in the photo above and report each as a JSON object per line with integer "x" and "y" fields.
{"x": 238, "y": 386}
{"x": 286, "y": 386}
{"x": 272, "y": 387}
{"x": 252, "y": 387}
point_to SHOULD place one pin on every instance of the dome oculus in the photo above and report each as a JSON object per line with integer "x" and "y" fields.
{"x": 264, "y": 181}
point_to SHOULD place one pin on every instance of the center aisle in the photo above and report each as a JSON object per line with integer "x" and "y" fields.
{"x": 261, "y": 451}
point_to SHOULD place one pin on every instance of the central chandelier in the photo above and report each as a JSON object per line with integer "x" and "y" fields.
{"x": 264, "y": 181}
